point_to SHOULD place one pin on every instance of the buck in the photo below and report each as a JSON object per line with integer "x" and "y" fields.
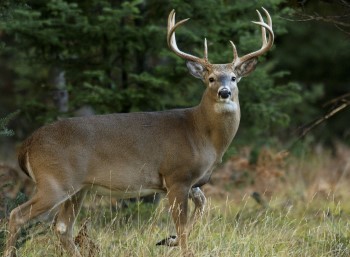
{"x": 136, "y": 154}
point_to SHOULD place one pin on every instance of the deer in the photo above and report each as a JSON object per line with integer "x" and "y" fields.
{"x": 137, "y": 154}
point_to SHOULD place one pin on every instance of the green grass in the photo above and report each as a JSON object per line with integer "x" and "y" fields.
{"x": 319, "y": 227}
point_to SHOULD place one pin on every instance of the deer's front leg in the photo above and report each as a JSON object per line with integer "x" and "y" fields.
{"x": 178, "y": 200}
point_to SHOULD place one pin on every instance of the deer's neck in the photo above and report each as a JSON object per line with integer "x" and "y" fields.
{"x": 218, "y": 122}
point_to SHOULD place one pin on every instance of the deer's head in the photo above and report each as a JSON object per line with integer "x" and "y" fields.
{"x": 221, "y": 79}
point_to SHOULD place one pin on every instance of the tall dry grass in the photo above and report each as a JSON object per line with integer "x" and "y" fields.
{"x": 307, "y": 213}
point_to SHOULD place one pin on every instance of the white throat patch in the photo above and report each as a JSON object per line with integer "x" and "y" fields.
{"x": 225, "y": 106}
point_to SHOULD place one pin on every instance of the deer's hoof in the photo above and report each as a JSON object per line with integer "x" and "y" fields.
{"x": 170, "y": 241}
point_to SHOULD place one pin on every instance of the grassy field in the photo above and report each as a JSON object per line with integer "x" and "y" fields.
{"x": 315, "y": 228}
{"x": 305, "y": 211}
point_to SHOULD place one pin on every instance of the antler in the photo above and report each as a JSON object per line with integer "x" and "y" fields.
{"x": 172, "y": 26}
{"x": 266, "y": 44}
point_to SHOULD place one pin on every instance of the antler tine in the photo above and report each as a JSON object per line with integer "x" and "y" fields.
{"x": 205, "y": 50}
{"x": 263, "y": 31}
{"x": 235, "y": 54}
{"x": 267, "y": 43}
{"x": 172, "y": 26}
{"x": 269, "y": 20}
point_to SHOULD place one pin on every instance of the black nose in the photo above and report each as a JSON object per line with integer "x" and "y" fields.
{"x": 224, "y": 93}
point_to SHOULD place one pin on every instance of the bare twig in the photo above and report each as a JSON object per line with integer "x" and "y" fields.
{"x": 329, "y": 19}
{"x": 337, "y": 99}
{"x": 342, "y": 30}
{"x": 337, "y": 108}
{"x": 306, "y": 129}
{"x": 340, "y": 20}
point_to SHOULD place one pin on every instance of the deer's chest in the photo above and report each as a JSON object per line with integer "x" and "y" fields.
{"x": 206, "y": 160}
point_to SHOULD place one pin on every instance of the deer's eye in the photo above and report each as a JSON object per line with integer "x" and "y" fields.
{"x": 233, "y": 79}
{"x": 211, "y": 80}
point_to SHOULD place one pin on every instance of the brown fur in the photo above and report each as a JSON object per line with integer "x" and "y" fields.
{"x": 22, "y": 156}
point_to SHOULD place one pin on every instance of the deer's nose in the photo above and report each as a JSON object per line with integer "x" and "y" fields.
{"x": 224, "y": 93}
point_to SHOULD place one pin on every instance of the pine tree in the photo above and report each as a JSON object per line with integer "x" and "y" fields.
{"x": 4, "y": 131}
{"x": 115, "y": 58}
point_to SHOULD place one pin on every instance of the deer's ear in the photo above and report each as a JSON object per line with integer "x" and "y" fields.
{"x": 196, "y": 69}
{"x": 245, "y": 68}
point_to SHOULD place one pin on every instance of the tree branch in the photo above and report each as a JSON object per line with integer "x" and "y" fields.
{"x": 339, "y": 104}
{"x": 341, "y": 21}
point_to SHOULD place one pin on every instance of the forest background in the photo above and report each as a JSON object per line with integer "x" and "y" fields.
{"x": 63, "y": 58}
{"x": 60, "y": 58}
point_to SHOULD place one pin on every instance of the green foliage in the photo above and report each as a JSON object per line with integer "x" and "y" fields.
{"x": 116, "y": 60}
{"x": 4, "y": 131}
{"x": 319, "y": 63}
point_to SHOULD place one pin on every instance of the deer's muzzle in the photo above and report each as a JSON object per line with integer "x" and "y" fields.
{"x": 224, "y": 93}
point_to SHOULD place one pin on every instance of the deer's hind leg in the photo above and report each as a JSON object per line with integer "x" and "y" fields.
{"x": 45, "y": 199}
{"x": 199, "y": 200}
{"x": 65, "y": 220}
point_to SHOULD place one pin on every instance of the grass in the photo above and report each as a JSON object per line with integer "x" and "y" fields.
{"x": 307, "y": 213}
{"x": 315, "y": 228}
